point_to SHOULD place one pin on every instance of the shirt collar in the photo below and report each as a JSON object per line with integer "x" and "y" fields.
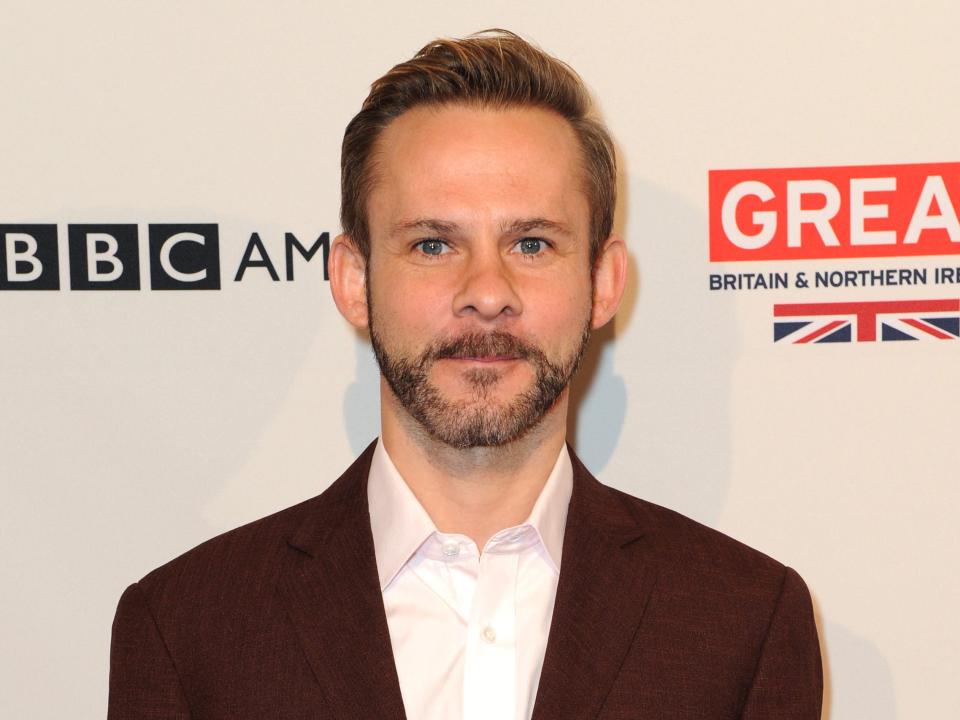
{"x": 400, "y": 524}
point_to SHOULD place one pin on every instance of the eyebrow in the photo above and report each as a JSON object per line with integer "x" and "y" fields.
{"x": 516, "y": 227}
{"x": 439, "y": 227}
{"x": 519, "y": 227}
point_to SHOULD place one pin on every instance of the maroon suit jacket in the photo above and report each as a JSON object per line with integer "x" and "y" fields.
{"x": 656, "y": 616}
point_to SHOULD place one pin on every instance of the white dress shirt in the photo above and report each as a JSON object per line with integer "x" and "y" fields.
{"x": 468, "y": 629}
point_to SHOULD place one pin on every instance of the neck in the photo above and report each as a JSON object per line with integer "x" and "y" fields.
{"x": 473, "y": 491}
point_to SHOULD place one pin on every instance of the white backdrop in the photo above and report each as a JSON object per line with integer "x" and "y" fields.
{"x": 135, "y": 424}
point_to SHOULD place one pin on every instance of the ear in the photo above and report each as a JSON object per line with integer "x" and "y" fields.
{"x": 348, "y": 281}
{"x": 609, "y": 280}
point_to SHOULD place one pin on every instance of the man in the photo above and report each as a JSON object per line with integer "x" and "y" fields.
{"x": 467, "y": 565}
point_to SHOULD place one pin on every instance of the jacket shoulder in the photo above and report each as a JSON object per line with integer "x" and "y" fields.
{"x": 243, "y": 564}
{"x": 689, "y": 551}
{"x": 242, "y": 559}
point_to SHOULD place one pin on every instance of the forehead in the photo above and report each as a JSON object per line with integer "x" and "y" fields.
{"x": 470, "y": 164}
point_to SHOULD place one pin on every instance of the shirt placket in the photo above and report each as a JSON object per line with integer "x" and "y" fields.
{"x": 490, "y": 663}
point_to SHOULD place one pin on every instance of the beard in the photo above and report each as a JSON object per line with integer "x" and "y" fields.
{"x": 478, "y": 421}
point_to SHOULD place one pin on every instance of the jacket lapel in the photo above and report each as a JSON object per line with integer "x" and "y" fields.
{"x": 330, "y": 588}
{"x": 601, "y": 597}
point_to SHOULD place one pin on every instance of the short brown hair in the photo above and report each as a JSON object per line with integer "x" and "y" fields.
{"x": 494, "y": 68}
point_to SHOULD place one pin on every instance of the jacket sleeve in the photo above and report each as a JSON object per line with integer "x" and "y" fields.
{"x": 788, "y": 681}
{"x": 144, "y": 684}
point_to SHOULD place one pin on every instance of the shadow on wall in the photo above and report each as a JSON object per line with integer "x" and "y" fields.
{"x": 598, "y": 396}
{"x": 361, "y": 401}
{"x": 598, "y": 403}
{"x": 865, "y": 690}
{"x": 663, "y": 370}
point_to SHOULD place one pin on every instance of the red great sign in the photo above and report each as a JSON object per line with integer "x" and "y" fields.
{"x": 834, "y": 212}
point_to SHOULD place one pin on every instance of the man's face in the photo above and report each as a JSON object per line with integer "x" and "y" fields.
{"x": 479, "y": 283}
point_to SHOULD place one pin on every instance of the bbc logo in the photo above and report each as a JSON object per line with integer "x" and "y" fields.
{"x": 107, "y": 256}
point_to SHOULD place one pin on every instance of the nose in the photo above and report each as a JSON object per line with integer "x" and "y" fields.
{"x": 486, "y": 290}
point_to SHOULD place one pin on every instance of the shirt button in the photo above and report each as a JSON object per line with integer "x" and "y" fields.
{"x": 489, "y": 634}
{"x": 450, "y": 549}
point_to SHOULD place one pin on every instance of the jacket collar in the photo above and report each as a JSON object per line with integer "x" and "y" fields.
{"x": 331, "y": 589}
{"x": 332, "y": 595}
{"x": 604, "y": 586}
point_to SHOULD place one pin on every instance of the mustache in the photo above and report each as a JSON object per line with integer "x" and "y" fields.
{"x": 477, "y": 344}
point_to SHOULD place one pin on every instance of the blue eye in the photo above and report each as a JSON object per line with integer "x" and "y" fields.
{"x": 432, "y": 246}
{"x": 530, "y": 246}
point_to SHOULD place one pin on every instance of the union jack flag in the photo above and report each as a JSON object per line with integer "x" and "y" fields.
{"x": 886, "y": 321}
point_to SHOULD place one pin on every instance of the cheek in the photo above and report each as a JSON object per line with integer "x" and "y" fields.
{"x": 560, "y": 317}
{"x": 407, "y": 308}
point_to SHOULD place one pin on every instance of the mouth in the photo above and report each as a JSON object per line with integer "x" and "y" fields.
{"x": 494, "y": 350}
{"x": 484, "y": 358}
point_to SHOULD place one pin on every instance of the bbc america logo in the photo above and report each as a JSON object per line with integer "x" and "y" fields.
{"x": 106, "y": 256}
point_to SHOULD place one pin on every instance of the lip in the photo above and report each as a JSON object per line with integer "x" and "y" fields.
{"x": 488, "y": 359}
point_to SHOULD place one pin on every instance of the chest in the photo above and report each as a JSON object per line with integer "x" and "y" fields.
{"x": 468, "y": 633}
